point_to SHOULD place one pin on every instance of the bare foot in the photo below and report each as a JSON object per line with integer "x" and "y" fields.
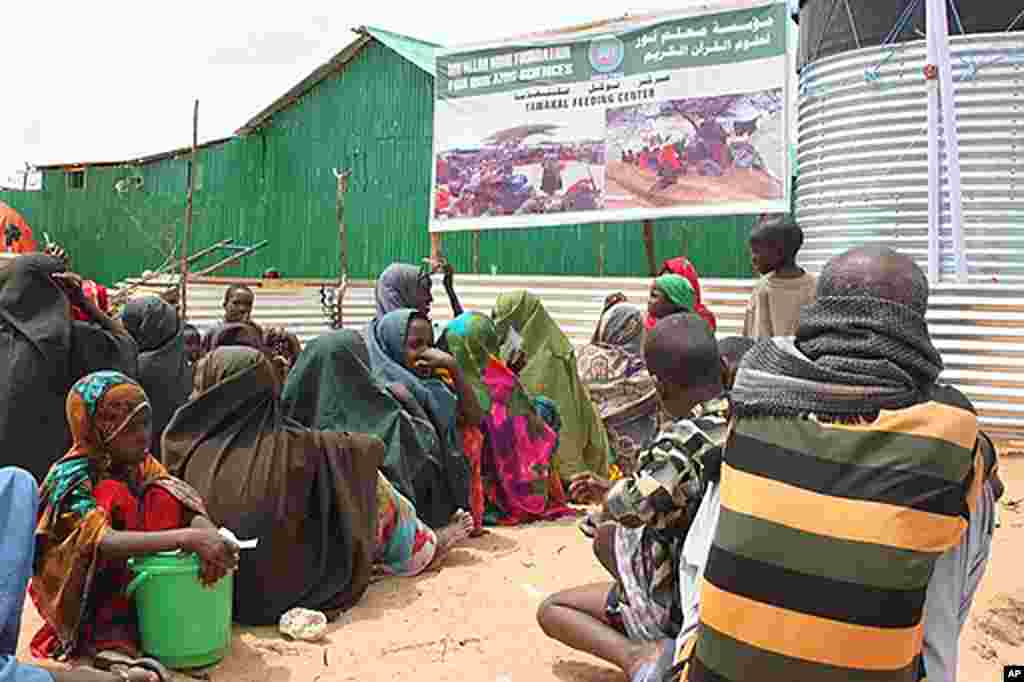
{"x": 459, "y": 528}
{"x": 645, "y": 661}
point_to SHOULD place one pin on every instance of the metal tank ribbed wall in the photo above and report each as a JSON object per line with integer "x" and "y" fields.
{"x": 863, "y": 153}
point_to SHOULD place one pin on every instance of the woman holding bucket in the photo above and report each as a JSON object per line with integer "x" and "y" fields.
{"x": 105, "y": 501}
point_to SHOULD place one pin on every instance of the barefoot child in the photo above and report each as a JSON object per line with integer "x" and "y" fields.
{"x": 784, "y": 287}
{"x": 645, "y": 517}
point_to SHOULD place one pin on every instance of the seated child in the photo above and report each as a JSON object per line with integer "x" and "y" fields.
{"x": 105, "y": 501}
{"x": 645, "y": 517}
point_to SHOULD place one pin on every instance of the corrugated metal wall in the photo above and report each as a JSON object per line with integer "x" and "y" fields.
{"x": 978, "y": 328}
{"x": 106, "y": 230}
{"x": 375, "y": 118}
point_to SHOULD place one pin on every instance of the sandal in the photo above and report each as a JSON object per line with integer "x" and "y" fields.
{"x": 105, "y": 660}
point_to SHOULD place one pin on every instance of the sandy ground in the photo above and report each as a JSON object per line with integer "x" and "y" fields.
{"x": 736, "y": 184}
{"x": 474, "y": 619}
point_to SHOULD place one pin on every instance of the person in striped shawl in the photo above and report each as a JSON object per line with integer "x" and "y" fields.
{"x": 849, "y": 471}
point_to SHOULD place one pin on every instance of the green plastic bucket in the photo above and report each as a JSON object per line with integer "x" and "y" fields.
{"x": 181, "y": 623}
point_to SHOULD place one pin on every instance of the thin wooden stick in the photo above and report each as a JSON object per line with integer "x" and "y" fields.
{"x": 169, "y": 268}
{"x": 187, "y": 237}
{"x": 231, "y": 259}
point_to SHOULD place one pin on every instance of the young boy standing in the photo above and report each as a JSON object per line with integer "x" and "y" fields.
{"x": 784, "y": 287}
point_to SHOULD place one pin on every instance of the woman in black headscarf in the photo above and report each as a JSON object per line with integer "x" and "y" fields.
{"x": 164, "y": 369}
{"x": 310, "y": 497}
{"x": 43, "y": 352}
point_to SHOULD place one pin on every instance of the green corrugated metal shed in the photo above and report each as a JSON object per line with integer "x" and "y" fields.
{"x": 419, "y": 52}
{"x": 370, "y": 110}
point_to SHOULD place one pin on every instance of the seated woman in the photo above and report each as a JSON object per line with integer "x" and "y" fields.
{"x": 107, "y": 500}
{"x": 550, "y": 370}
{"x": 407, "y": 286}
{"x": 518, "y": 444}
{"x": 309, "y": 496}
{"x": 431, "y": 385}
{"x": 94, "y": 292}
{"x": 233, "y": 334}
{"x": 43, "y": 351}
{"x": 671, "y": 294}
{"x": 683, "y": 267}
{"x": 332, "y": 388}
{"x": 249, "y": 336}
{"x": 165, "y": 371}
{"x": 612, "y": 367}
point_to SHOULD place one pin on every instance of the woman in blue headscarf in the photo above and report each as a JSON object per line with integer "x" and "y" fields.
{"x": 431, "y": 386}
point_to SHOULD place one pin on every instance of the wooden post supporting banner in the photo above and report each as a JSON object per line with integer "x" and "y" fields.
{"x": 436, "y": 251}
{"x": 649, "y": 247}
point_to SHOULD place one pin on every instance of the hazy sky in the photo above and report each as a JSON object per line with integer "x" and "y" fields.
{"x": 112, "y": 80}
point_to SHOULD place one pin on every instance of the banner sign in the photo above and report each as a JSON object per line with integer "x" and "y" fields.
{"x": 669, "y": 115}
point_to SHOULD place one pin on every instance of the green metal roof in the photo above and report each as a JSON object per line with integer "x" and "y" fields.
{"x": 419, "y": 52}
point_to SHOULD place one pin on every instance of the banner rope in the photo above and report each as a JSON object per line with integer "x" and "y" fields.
{"x": 873, "y": 74}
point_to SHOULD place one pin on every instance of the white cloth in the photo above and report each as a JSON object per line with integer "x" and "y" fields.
{"x": 696, "y": 549}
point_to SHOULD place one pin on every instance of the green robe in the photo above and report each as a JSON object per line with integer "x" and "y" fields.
{"x": 551, "y": 371}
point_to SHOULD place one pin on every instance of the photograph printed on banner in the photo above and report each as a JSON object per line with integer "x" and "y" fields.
{"x": 696, "y": 150}
{"x": 528, "y": 169}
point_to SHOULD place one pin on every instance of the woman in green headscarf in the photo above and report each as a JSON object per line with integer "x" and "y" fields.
{"x": 550, "y": 370}
{"x": 670, "y": 294}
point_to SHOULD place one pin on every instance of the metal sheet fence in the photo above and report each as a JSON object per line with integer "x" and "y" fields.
{"x": 979, "y": 329}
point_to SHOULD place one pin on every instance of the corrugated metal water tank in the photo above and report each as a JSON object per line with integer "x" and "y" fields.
{"x": 863, "y": 153}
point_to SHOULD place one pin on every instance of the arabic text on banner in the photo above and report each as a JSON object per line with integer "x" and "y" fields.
{"x": 644, "y": 118}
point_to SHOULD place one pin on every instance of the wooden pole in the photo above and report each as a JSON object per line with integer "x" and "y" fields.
{"x": 649, "y": 247}
{"x": 186, "y": 242}
{"x": 342, "y": 177}
{"x": 436, "y": 252}
{"x": 476, "y": 251}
